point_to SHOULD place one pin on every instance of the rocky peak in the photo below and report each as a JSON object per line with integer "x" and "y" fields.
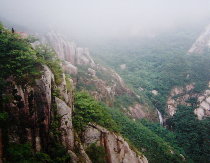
{"x": 68, "y": 51}
{"x": 202, "y": 43}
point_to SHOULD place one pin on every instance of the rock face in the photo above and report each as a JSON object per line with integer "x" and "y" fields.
{"x": 116, "y": 148}
{"x": 123, "y": 66}
{"x": 65, "y": 112}
{"x": 69, "y": 68}
{"x": 35, "y": 104}
{"x": 65, "y": 50}
{"x": 137, "y": 112}
{"x": 68, "y": 51}
{"x": 34, "y": 107}
{"x": 104, "y": 84}
{"x": 154, "y": 92}
{"x": 178, "y": 96}
{"x": 181, "y": 95}
{"x": 204, "y": 105}
{"x": 31, "y": 110}
{"x": 202, "y": 43}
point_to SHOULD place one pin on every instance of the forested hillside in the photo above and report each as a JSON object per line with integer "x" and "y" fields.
{"x": 38, "y": 123}
{"x": 153, "y": 67}
{"x": 109, "y": 81}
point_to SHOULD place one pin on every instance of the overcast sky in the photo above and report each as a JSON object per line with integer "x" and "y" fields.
{"x": 105, "y": 18}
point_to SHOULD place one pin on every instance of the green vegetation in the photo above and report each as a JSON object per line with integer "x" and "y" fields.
{"x": 87, "y": 110}
{"x": 96, "y": 153}
{"x": 17, "y": 59}
{"x": 20, "y": 153}
{"x": 55, "y": 123}
{"x": 20, "y": 64}
{"x": 69, "y": 85}
{"x": 154, "y": 147}
{"x": 23, "y": 153}
{"x": 125, "y": 100}
{"x": 58, "y": 153}
{"x": 47, "y": 55}
{"x": 192, "y": 134}
{"x": 83, "y": 83}
{"x": 160, "y": 63}
{"x": 3, "y": 117}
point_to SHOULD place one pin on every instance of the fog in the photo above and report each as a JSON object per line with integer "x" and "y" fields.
{"x": 96, "y": 19}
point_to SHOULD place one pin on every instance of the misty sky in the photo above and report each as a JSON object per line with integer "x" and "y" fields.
{"x": 105, "y": 18}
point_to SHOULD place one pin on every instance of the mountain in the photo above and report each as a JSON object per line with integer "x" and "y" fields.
{"x": 37, "y": 108}
{"x": 59, "y": 105}
{"x": 162, "y": 72}
{"x": 185, "y": 96}
{"x": 202, "y": 43}
{"x": 102, "y": 82}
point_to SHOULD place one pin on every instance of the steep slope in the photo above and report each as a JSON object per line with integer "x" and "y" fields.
{"x": 175, "y": 83}
{"x": 102, "y": 83}
{"x": 37, "y": 105}
{"x": 186, "y": 96}
{"x": 202, "y": 44}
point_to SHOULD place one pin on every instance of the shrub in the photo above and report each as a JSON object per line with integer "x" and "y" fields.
{"x": 89, "y": 110}
{"x": 96, "y": 153}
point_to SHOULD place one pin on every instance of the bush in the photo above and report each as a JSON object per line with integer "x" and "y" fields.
{"x": 19, "y": 153}
{"x": 96, "y": 153}
{"x": 191, "y": 133}
{"x": 42, "y": 157}
{"x": 89, "y": 110}
{"x": 17, "y": 58}
{"x": 47, "y": 55}
{"x": 58, "y": 153}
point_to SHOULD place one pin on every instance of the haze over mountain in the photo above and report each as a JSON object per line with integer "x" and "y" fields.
{"x": 98, "y": 19}
{"x": 104, "y": 81}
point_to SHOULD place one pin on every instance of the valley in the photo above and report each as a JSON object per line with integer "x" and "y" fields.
{"x": 104, "y": 82}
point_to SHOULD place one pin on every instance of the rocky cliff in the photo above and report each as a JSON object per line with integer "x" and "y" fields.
{"x": 34, "y": 109}
{"x": 102, "y": 83}
{"x": 30, "y": 111}
{"x": 183, "y": 95}
{"x": 116, "y": 147}
{"x": 202, "y": 43}
{"x": 41, "y": 112}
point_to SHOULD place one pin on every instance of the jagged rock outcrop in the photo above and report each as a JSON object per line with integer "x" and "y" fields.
{"x": 68, "y": 51}
{"x": 202, "y": 43}
{"x": 181, "y": 95}
{"x": 203, "y": 109}
{"x": 178, "y": 96}
{"x": 117, "y": 149}
{"x": 64, "y": 49}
